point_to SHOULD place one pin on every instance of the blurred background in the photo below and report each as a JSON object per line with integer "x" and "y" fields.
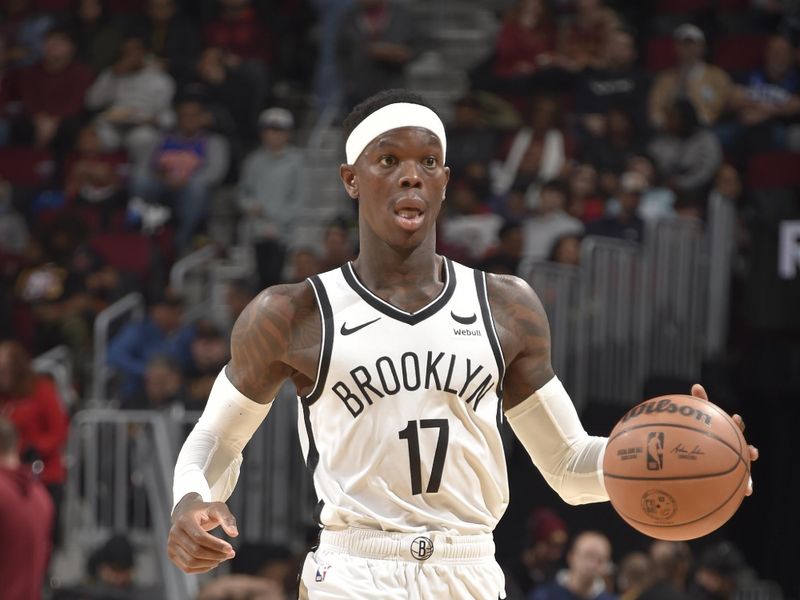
{"x": 161, "y": 161}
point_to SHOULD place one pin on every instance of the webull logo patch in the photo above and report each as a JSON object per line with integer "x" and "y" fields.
{"x": 665, "y": 405}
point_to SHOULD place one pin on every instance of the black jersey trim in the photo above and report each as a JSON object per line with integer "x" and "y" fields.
{"x": 494, "y": 340}
{"x": 392, "y": 311}
{"x": 326, "y": 345}
{"x": 312, "y": 459}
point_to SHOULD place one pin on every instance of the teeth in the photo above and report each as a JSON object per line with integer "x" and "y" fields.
{"x": 408, "y": 213}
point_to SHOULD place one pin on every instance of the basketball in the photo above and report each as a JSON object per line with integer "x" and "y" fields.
{"x": 676, "y": 467}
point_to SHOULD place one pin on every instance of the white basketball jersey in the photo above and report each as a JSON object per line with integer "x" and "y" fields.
{"x": 402, "y": 427}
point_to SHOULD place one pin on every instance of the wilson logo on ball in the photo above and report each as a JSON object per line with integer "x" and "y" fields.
{"x": 665, "y": 405}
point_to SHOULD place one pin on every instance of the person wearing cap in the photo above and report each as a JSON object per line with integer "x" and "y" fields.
{"x": 406, "y": 364}
{"x": 708, "y": 87}
{"x": 271, "y": 190}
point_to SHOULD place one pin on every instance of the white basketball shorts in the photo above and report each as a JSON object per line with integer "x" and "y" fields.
{"x": 363, "y": 564}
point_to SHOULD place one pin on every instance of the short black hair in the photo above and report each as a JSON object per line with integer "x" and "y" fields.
{"x": 377, "y": 101}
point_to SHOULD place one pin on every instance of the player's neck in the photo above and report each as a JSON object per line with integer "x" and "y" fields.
{"x": 389, "y": 268}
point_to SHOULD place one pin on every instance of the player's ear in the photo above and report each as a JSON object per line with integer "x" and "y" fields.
{"x": 348, "y": 176}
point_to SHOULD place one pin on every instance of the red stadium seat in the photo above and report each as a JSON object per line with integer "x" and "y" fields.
{"x": 660, "y": 53}
{"x": 774, "y": 170}
{"x": 26, "y": 166}
{"x": 741, "y": 52}
{"x": 130, "y": 252}
{"x": 682, "y": 6}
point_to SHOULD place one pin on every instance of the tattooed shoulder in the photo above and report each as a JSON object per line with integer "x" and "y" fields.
{"x": 263, "y": 337}
{"x": 524, "y": 335}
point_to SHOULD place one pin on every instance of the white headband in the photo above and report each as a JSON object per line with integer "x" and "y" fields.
{"x": 393, "y": 116}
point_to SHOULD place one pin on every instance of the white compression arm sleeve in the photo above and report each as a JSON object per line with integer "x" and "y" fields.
{"x": 208, "y": 463}
{"x": 570, "y": 460}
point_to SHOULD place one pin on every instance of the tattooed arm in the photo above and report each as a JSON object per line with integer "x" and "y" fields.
{"x": 524, "y": 334}
{"x": 537, "y": 406}
{"x": 276, "y": 337}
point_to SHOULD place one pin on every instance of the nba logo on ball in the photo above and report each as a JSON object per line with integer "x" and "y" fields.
{"x": 655, "y": 450}
{"x": 422, "y": 548}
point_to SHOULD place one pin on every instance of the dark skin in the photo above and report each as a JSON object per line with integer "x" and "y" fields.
{"x": 399, "y": 181}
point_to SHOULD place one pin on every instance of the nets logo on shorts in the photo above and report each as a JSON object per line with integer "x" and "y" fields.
{"x": 422, "y": 548}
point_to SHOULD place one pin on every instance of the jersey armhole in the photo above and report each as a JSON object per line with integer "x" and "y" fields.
{"x": 326, "y": 343}
{"x": 494, "y": 340}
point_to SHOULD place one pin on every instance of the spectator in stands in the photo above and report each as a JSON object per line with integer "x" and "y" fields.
{"x": 266, "y": 572}
{"x": 672, "y": 566}
{"x": 171, "y": 37}
{"x": 635, "y": 575}
{"x": 505, "y": 256}
{"x": 721, "y": 571}
{"x": 184, "y": 170}
{"x": 50, "y": 92}
{"x": 164, "y": 387}
{"x": 97, "y": 36}
{"x": 657, "y": 201}
{"x": 337, "y": 245}
{"x": 472, "y": 141}
{"x": 271, "y": 190}
{"x": 238, "y": 294}
{"x": 26, "y": 520}
{"x": 210, "y": 352}
{"x": 611, "y": 152}
{"x": 585, "y": 202}
{"x": 687, "y": 155}
{"x": 769, "y": 100}
{"x": 535, "y": 154}
{"x": 161, "y": 332}
{"x": 5, "y": 96}
{"x": 549, "y": 223}
{"x": 566, "y": 250}
{"x": 13, "y": 227}
{"x": 226, "y": 90}
{"x": 616, "y": 84}
{"x": 546, "y": 536}
{"x": 304, "y": 262}
{"x": 133, "y": 99}
{"x": 328, "y": 81}
{"x": 588, "y": 561}
{"x": 708, "y": 87}
{"x": 526, "y": 42}
{"x": 32, "y": 403}
{"x": 247, "y": 44}
{"x": 584, "y": 37}
{"x": 23, "y": 28}
{"x": 377, "y": 38}
{"x": 94, "y": 181}
{"x": 625, "y": 223}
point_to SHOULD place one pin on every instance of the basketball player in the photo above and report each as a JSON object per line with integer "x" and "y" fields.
{"x": 406, "y": 364}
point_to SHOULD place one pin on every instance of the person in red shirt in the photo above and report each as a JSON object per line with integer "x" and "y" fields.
{"x": 31, "y": 402}
{"x": 526, "y": 43}
{"x": 238, "y": 31}
{"x": 50, "y": 91}
{"x": 26, "y": 519}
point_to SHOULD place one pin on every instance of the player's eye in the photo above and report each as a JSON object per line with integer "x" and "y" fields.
{"x": 387, "y": 160}
{"x": 429, "y": 161}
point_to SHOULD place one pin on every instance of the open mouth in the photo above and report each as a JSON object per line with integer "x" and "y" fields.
{"x": 409, "y": 217}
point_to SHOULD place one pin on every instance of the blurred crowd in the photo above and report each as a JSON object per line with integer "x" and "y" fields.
{"x": 123, "y": 123}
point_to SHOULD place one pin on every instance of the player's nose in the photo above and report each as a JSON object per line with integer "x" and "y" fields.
{"x": 409, "y": 174}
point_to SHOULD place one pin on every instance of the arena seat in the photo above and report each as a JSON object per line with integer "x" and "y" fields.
{"x": 774, "y": 170}
{"x": 28, "y": 167}
{"x": 127, "y": 251}
{"x": 682, "y": 6}
{"x": 739, "y": 52}
{"x": 660, "y": 53}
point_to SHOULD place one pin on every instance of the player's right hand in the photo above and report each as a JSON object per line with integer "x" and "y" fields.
{"x": 190, "y": 546}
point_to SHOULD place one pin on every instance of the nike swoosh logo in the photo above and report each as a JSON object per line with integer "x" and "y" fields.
{"x": 464, "y": 320}
{"x": 345, "y": 331}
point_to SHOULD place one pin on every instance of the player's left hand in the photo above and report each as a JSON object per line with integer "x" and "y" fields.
{"x": 698, "y": 391}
